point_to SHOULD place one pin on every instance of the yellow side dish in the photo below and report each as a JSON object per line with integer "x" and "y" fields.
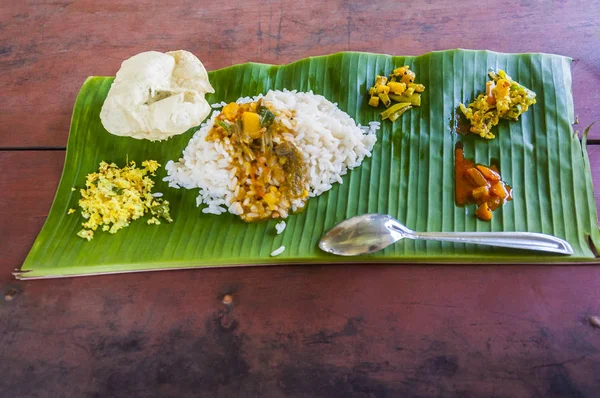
{"x": 115, "y": 196}
{"x": 400, "y": 88}
{"x": 503, "y": 98}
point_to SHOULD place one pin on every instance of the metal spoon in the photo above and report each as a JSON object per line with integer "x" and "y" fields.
{"x": 369, "y": 233}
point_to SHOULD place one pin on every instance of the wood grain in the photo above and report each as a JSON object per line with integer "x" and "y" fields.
{"x": 291, "y": 330}
{"x": 301, "y": 331}
{"x": 29, "y": 180}
{"x": 47, "y": 49}
{"x": 306, "y": 331}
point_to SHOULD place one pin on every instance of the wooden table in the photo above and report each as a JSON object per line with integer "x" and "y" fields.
{"x": 306, "y": 331}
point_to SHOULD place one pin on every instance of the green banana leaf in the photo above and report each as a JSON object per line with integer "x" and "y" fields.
{"x": 409, "y": 176}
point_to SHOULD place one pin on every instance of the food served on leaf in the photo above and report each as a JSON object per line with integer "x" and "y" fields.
{"x": 478, "y": 184}
{"x": 503, "y": 98}
{"x": 263, "y": 157}
{"x": 278, "y": 251}
{"x": 399, "y": 89}
{"x": 115, "y": 196}
{"x": 157, "y": 95}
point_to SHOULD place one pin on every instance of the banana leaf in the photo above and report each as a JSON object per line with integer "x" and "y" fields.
{"x": 409, "y": 176}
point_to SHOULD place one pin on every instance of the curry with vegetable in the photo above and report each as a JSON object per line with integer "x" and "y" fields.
{"x": 479, "y": 184}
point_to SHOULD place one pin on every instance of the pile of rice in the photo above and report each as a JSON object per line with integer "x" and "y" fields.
{"x": 330, "y": 141}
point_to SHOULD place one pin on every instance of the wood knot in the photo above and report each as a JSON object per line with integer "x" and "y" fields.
{"x": 10, "y": 294}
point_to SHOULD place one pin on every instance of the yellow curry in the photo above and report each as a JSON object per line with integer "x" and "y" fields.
{"x": 503, "y": 98}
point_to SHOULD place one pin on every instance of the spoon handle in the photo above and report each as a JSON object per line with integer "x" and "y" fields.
{"x": 516, "y": 240}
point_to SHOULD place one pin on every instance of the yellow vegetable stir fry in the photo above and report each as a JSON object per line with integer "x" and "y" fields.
{"x": 115, "y": 196}
{"x": 503, "y": 98}
{"x": 400, "y": 88}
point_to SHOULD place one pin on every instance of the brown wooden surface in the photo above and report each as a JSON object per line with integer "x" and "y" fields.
{"x": 48, "y": 50}
{"x": 306, "y": 331}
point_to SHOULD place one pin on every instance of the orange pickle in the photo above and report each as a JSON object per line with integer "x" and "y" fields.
{"x": 478, "y": 184}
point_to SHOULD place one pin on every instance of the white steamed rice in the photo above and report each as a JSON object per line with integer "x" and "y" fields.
{"x": 280, "y": 227}
{"x": 330, "y": 141}
{"x": 278, "y": 251}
